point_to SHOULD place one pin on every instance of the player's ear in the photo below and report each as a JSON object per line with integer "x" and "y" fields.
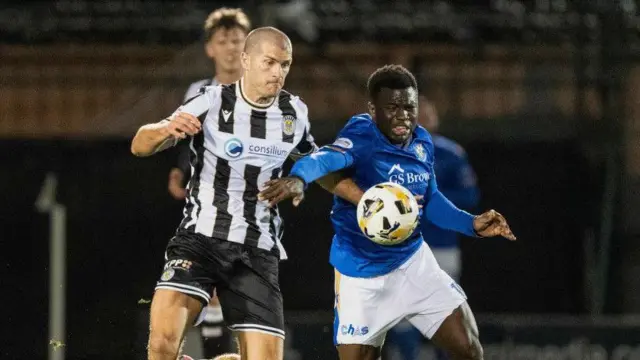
{"x": 244, "y": 59}
{"x": 372, "y": 109}
{"x": 209, "y": 49}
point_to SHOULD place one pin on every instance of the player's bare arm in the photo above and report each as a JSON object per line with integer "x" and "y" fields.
{"x": 293, "y": 187}
{"x": 341, "y": 186}
{"x": 176, "y": 178}
{"x": 322, "y": 163}
{"x": 338, "y": 184}
{"x": 335, "y": 183}
{"x": 153, "y": 138}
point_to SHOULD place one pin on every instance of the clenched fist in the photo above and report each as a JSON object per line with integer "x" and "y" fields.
{"x": 492, "y": 223}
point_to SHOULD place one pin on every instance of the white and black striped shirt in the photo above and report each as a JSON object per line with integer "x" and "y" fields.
{"x": 241, "y": 146}
{"x": 194, "y": 87}
{"x": 183, "y": 150}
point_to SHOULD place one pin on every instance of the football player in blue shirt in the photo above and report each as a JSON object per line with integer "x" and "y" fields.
{"x": 377, "y": 286}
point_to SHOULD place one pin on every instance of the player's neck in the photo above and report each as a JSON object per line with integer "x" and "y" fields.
{"x": 252, "y": 96}
{"x": 402, "y": 145}
{"x": 228, "y": 77}
{"x": 393, "y": 143}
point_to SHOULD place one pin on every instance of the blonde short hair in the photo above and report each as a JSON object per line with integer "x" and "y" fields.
{"x": 226, "y": 18}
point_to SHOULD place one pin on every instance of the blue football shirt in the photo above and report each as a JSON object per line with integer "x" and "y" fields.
{"x": 376, "y": 160}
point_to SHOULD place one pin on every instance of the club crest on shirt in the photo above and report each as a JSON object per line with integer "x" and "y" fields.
{"x": 167, "y": 274}
{"x": 288, "y": 124}
{"x": 419, "y": 149}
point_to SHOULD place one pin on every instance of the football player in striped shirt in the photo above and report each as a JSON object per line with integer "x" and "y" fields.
{"x": 225, "y": 30}
{"x": 240, "y": 136}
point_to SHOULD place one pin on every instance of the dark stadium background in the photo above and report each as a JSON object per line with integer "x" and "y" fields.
{"x": 542, "y": 94}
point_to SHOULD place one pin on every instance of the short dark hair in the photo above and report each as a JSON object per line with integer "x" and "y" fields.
{"x": 226, "y": 18}
{"x": 391, "y": 77}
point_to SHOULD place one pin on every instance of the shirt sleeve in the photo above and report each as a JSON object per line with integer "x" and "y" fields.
{"x": 323, "y": 162}
{"x": 199, "y": 104}
{"x": 194, "y": 89}
{"x": 444, "y": 214}
{"x": 356, "y": 139}
{"x": 353, "y": 145}
{"x": 306, "y": 145}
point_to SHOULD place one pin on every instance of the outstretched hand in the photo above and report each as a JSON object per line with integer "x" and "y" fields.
{"x": 281, "y": 189}
{"x": 491, "y": 224}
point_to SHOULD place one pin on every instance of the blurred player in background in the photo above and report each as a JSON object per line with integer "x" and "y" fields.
{"x": 378, "y": 286}
{"x": 457, "y": 181}
{"x": 224, "y": 33}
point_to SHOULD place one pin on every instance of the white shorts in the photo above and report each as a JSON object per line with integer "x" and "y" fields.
{"x": 449, "y": 260}
{"x": 419, "y": 291}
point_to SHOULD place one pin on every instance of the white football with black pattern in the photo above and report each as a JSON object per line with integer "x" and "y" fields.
{"x": 388, "y": 213}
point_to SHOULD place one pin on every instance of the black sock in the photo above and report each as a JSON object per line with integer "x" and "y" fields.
{"x": 216, "y": 338}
